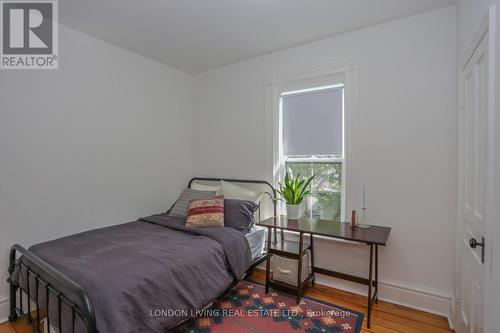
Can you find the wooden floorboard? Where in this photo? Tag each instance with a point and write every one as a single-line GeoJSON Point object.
{"type": "Point", "coordinates": [7, 328]}
{"type": "Point", "coordinates": [386, 317]}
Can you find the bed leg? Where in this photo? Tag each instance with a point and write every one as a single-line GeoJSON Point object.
{"type": "Point", "coordinates": [13, 313]}
{"type": "Point", "coordinates": [12, 286]}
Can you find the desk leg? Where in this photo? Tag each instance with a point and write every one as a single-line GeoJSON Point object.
{"type": "Point", "coordinates": [312, 259]}
{"type": "Point", "coordinates": [299, 270]}
{"type": "Point", "coordinates": [376, 273]}
{"type": "Point", "coordinates": [370, 282]}
{"type": "Point", "coordinates": [268, 259]}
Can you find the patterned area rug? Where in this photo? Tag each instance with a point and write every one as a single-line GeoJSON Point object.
{"type": "Point", "coordinates": [246, 308]}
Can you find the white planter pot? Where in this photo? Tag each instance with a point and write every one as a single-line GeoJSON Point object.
{"type": "Point", "coordinates": [293, 211]}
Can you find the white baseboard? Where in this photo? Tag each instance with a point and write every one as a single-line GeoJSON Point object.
{"type": "Point", "coordinates": [4, 309]}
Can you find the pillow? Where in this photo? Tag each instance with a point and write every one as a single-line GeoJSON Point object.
{"type": "Point", "coordinates": [201, 187]}
{"type": "Point", "coordinates": [231, 191]}
{"type": "Point", "coordinates": [239, 214]}
{"type": "Point", "coordinates": [206, 212]}
{"type": "Point", "coordinates": [179, 209]}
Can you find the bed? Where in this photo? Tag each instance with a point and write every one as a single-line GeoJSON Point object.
{"type": "Point", "coordinates": [143, 276]}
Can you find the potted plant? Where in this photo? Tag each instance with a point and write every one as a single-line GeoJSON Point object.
{"type": "Point", "coordinates": [293, 191]}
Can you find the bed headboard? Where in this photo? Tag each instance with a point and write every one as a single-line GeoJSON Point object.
{"type": "Point", "coordinates": [267, 204]}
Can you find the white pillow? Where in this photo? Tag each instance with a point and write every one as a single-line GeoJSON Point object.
{"type": "Point", "coordinates": [231, 191]}
{"type": "Point", "coordinates": [201, 187]}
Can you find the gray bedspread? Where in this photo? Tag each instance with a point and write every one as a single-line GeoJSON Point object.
{"type": "Point", "coordinates": [135, 273]}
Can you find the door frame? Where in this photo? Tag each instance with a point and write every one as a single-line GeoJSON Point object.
{"type": "Point", "coordinates": [487, 27]}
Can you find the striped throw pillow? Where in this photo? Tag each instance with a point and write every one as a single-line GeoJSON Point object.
{"type": "Point", "coordinates": [206, 212]}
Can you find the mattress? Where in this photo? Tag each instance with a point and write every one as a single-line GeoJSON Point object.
{"type": "Point", "coordinates": [256, 238]}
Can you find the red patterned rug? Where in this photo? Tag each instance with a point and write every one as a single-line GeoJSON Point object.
{"type": "Point", "coordinates": [246, 308]}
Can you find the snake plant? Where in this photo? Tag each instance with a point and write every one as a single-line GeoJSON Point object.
{"type": "Point", "coordinates": [294, 190]}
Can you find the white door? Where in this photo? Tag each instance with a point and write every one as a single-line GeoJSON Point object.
{"type": "Point", "coordinates": [473, 161]}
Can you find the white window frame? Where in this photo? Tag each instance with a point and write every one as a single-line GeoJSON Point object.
{"type": "Point", "coordinates": [343, 72]}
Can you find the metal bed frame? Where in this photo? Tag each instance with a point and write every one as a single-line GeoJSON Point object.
{"type": "Point", "coordinates": [54, 282]}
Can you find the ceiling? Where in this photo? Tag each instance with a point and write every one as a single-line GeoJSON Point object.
{"type": "Point", "coordinates": [197, 35]}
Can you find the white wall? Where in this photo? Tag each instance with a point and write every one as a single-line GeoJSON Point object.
{"type": "Point", "coordinates": [103, 140]}
{"type": "Point", "coordinates": [408, 120]}
{"type": "Point", "coordinates": [470, 15]}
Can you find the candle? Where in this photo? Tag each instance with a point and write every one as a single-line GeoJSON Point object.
{"type": "Point", "coordinates": [364, 198]}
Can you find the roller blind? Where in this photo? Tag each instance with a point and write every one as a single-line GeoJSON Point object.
{"type": "Point", "coordinates": [312, 122]}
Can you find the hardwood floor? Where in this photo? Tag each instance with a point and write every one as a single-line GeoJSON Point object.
{"type": "Point", "coordinates": [386, 317]}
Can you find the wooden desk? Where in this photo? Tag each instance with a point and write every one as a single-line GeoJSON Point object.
{"type": "Point", "coordinates": [373, 237]}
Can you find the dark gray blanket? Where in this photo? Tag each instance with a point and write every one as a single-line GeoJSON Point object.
{"type": "Point", "coordinates": [239, 257]}
{"type": "Point", "coordinates": [148, 275]}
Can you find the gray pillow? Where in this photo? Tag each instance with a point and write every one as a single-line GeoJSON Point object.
{"type": "Point", "coordinates": [179, 209]}
{"type": "Point", "coordinates": [239, 214]}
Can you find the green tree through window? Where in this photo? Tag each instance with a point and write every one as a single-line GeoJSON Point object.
{"type": "Point", "coordinates": [325, 200]}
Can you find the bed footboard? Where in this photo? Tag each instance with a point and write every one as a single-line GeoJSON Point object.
{"type": "Point", "coordinates": [57, 291]}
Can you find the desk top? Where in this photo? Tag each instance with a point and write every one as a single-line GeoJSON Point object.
{"type": "Point", "coordinates": [329, 228]}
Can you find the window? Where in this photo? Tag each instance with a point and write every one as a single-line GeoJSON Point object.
{"type": "Point", "coordinates": [312, 143]}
